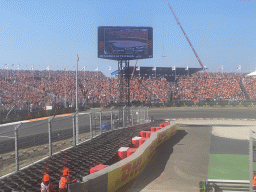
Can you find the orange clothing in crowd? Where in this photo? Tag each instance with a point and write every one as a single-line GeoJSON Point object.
{"type": "Point", "coordinates": [64, 181]}
{"type": "Point", "coordinates": [254, 179]}
{"type": "Point", "coordinates": [96, 87]}
{"type": "Point", "coordinates": [46, 185]}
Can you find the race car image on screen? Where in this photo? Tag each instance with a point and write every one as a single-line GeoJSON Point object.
{"type": "Point", "coordinates": [126, 41]}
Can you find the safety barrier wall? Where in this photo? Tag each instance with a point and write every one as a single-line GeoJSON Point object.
{"type": "Point", "coordinates": [115, 176]}
{"type": "Point", "coordinates": [24, 114]}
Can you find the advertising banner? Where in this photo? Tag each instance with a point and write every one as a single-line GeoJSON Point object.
{"type": "Point", "coordinates": [122, 175]}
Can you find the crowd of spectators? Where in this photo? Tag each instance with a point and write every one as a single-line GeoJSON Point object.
{"type": "Point", "coordinates": [215, 86]}
{"type": "Point", "coordinates": [33, 88]}
{"type": "Point", "coordinates": [106, 90]}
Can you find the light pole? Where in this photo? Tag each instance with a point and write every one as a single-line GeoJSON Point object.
{"type": "Point", "coordinates": [251, 158]}
{"type": "Point", "coordinates": [76, 81]}
{"type": "Point", "coordinates": [77, 128]}
{"type": "Point", "coordinates": [65, 89]}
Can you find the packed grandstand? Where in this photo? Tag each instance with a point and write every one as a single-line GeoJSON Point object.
{"type": "Point", "coordinates": [22, 88]}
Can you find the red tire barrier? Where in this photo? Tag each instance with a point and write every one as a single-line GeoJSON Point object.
{"type": "Point", "coordinates": [97, 168]}
{"type": "Point", "coordinates": [153, 129]}
{"type": "Point", "coordinates": [144, 133]}
{"type": "Point", "coordinates": [130, 151]}
{"type": "Point", "coordinates": [122, 153]}
{"type": "Point", "coordinates": [158, 128]}
{"type": "Point", "coordinates": [142, 140]}
{"type": "Point", "coordinates": [135, 141]}
{"type": "Point", "coordinates": [161, 125]}
{"type": "Point", "coordinates": [148, 133]}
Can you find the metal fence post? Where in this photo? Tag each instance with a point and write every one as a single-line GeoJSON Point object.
{"type": "Point", "coordinates": [100, 121]}
{"type": "Point", "coordinates": [123, 117]}
{"type": "Point", "coordinates": [74, 128]}
{"type": "Point", "coordinates": [112, 119]}
{"type": "Point", "coordinates": [16, 135]}
{"type": "Point", "coordinates": [147, 115]}
{"type": "Point", "coordinates": [77, 128]}
{"type": "Point", "coordinates": [50, 135]}
{"type": "Point", "coordinates": [250, 158]}
{"type": "Point", "coordinates": [132, 114]}
{"type": "Point", "coordinates": [91, 134]}
{"type": "Point", "coordinates": [213, 188]}
{"type": "Point", "coordinates": [144, 114]}
{"type": "Point", "coordinates": [139, 113]}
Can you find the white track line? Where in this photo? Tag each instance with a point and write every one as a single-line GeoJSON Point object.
{"type": "Point", "coordinates": [13, 123]}
{"type": "Point", "coordinates": [8, 137]}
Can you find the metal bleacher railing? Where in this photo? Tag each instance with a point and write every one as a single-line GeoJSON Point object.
{"type": "Point", "coordinates": [25, 143]}
{"type": "Point", "coordinates": [216, 185]}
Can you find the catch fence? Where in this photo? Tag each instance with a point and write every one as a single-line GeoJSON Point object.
{"type": "Point", "coordinates": [24, 143]}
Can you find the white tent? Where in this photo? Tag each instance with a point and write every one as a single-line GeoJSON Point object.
{"type": "Point", "coordinates": [251, 74]}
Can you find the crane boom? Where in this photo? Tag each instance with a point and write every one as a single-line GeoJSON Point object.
{"type": "Point", "coordinates": [134, 68]}
{"type": "Point", "coordinates": [187, 38]}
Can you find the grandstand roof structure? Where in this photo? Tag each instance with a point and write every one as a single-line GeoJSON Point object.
{"type": "Point", "coordinates": [167, 72]}
{"type": "Point", "coordinates": [251, 74]}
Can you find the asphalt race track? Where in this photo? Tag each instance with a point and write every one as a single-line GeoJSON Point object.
{"type": "Point", "coordinates": [41, 126]}
{"type": "Point", "coordinates": [200, 112]}
{"type": "Point", "coordinates": [37, 127]}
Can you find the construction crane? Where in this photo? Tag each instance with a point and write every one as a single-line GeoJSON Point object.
{"type": "Point", "coordinates": [187, 39]}
{"type": "Point", "coordinates": [134, 69]}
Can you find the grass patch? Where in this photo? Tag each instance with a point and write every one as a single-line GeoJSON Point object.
{"type": "Point", "coordinates": [228, 167]}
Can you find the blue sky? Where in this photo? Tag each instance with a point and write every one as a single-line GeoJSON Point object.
{"type": "Point", "coordinates": [41, 33]}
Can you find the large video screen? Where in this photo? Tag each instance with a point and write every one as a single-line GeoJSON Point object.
{"type": "Point", "coordinates": [125, 43]}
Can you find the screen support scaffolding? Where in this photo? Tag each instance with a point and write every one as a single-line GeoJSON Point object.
{"type": "Point", "coordinates": [124, 76]}
{"type": "Point", "coordinates": [124, 84]}
{"type": "Point", "coordinates": [127, 75]}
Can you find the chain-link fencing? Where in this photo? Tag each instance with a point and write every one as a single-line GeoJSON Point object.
{"type": "Point", "coordinates": [61, 133]}
{"type": "Point", "coordinates": [116, 118]}
{"type": "Point", "coordinates": [143, 114]}
{"type": "Point", "coordinates": [126, 117]}
{"type": "Point", "coordinates": [134, 115]}
{"type": "Point", "coordinates": [32, 141]}
{"type": "Point", "coordinates": [84, 127]}
{"type": "Point", "coordinates": [22, 144]}
{"type": "Point", "coordinates": [96, 118]}
{"type": "Point", "coordinates": [106, 120]}
{"type": "Point", "coordinates": [7, 150]}
{"type": "Point", "coordinates": [140, 115]}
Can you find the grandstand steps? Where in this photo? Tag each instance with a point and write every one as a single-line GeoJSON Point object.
{"type": "Point", "coordinates": [247, 97]}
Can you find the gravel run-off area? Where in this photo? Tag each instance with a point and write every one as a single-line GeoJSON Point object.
{"type": "Point", "coordinates": [232, 129]}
